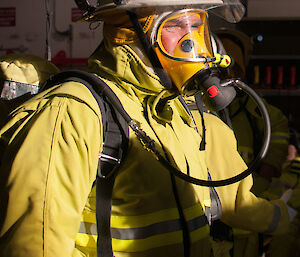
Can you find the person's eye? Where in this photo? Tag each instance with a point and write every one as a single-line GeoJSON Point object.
{"type": "Point", "coordinates": [172, 28]}
{"type": "Point", "coordinates": [196, 25]}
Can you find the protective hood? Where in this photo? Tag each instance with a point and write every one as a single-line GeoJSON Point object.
{"type": "Point", "coordinates": [122, 65]}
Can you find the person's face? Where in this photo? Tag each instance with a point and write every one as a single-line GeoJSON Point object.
{"type": "Point", "coordinates": [174, 30]}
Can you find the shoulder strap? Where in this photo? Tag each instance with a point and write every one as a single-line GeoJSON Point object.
{"type": "Point", "coordinates": [115, 143]}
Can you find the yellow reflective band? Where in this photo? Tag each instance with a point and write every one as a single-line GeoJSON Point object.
{"type": "Point", "coordinates": [88, 216]}
{"type": "Point", "coordinates": [86, 240]}
{"type": "Point", "coordinates": [295, 166]}
{"type": "Point", "coordinates": [148, 234]}
{"type": "Point", "coordinates": [281, 134]}
{"type": "Point", "coordinates": [277, 141]}
{"type": "Point", "coordinates": [155, 217]}
{"type": "Point", "coordinates": [193, 212]}
{"type": "Point", "coordinates": [199, 233]}
{"type": "Point", "coordinates": [143, 220]}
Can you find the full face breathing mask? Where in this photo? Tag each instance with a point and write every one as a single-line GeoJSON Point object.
{"type": "Point", "coordinates": [182, 44]}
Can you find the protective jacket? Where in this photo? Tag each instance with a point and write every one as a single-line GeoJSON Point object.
{"type": "Point", "coordinates": [289, 243]}
{"type": "Point", "coordinates": [248, 126]}
{"type": "Point", "coordinates": [52, 144]}
{"type": "Point", "coordinates": [246, 241]}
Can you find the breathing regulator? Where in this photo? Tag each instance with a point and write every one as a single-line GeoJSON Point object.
{"type": "Point", "coordinates": [178, 45]}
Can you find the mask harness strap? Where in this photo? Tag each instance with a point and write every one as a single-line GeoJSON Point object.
{"type": "Point", "coordinates": [158, 69]}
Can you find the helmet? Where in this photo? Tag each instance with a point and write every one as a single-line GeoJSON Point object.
{"type": "Point", "coordinates": [239, 46]}
{"type": "Point", "coordinates": [26, 68]}
{"type": "Point", "coordinates": [230, 10]}
{"type": "Point", "coordinates": [21, 73]}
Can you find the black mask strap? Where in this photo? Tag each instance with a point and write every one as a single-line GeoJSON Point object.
{"type": "Point", "coordinates": [158, 69]}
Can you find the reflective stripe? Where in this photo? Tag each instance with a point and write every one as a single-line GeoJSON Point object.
{"type": "Point", "coordinates": [145, 220]}
{"type": "Point", "coordinates": [158, 240]}
{"type": "Point", "coordinates": [280, 138]}
{"type": "Point", "coordinates": [279, 141]}
{"type": "Point", "coordinates": [85, 240]}
{"type": "Point", "coordinates": [140, 233]}
{"type": "Point", "coordinates": [295, 167]}
{"type": "Point", "coordinates": [88, 216]}
{"type": "Point", "coordinates": [275, 220]}
{"type": "Point", "coordinates": [88, 228]}
{"type": "Point", "coordinates": [281, 134]}
{"type": "Point", "coordinates": [147, 243]}
{"type": "Point", "coordinates": [196, 223]}
{"type": "Point", "coordinates": [156, 229]}
{"type": "Point", "coordinates": [144, 232]}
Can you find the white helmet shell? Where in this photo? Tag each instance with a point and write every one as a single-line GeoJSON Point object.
{"type": "Point", "coordinates": [230, 10]}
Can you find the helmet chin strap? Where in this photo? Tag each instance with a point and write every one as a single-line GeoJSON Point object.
{"type": "Point", "coordinates": [158, 69]}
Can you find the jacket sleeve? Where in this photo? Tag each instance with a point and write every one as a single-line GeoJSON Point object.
{"type": "Point", "coordinates": [52, 145]}
{"type": "Point", "coordinates": [279, 137]}
{"type": "Point", "coordinates": [253, 213]}
{"type": "Point", "coordinates": [240, 208]}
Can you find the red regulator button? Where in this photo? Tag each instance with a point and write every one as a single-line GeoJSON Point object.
{"type": "Point", "coordinates": [213, 91]}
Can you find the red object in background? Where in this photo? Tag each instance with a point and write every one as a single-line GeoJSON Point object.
{"type": "Point", "coordinates": [7, 16]}
{"type": "Point", "coordinates": [292, 78]}
{"type": "Point", "coordinates": [279, 84]}
{"type": "Point", "coordinates": [76, 14]}
{"type": "Point", "coordinates": [268, 80]}
{"type": "Point", "coordinates": [61, 59]}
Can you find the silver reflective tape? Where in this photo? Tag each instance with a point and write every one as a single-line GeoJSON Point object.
{"type": "Point", "coordinates": [144, 232]}
{"type": "Point", "coordinates": [156, 229]}
{"type": "Point", "coordinates": [88, 228]}
{"type": "Point", "coordinates": [196, 223]}
{"type": "Point", "coordinates": [13, 89]}
{"type": "Point", "coordinates": [279, 138]}
{"type": "Point", "coordinates": [275, 220]}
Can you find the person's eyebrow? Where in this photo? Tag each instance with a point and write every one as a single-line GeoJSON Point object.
{"type": "Point", "coordinates": [174, 22]}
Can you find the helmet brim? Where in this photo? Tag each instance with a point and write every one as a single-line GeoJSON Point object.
{"type": "Point", "coordinates": [230, 10]}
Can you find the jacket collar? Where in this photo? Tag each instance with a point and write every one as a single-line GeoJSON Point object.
{"type": "Point", "coordinates": [121, 64]}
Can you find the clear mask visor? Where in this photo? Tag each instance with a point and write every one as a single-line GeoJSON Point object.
{"type": "Point", "coordinates": [184, 36]}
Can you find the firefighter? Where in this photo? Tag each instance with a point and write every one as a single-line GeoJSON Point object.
{"type": "Point", "coordinates": [244, 117]}
{"type": "Point", "coordinates": [52, 143]}
{"type": "Point", "coordinates": [248, 127]}
{"type": "Point", "coordinates": [287, 244]}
